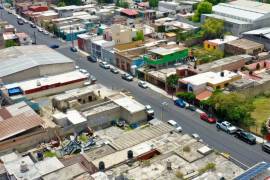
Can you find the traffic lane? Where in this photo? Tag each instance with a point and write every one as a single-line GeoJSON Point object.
{"type": "Point", "coordinates": [189, 121]}
{"type": "Point", "coordinates": [144, 96]}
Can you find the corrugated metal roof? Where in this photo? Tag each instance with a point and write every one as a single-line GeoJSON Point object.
{"type": "Point", "coordinates": [19, 58]}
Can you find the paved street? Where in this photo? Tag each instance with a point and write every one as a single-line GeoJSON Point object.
{"type": "Point", "coordinates": [190, 122]}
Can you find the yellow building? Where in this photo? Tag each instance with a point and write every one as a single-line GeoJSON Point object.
{"type": "Point", "coordinates": [214, 44]}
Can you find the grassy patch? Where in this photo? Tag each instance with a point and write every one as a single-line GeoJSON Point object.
{"type": "Point", "coordinates": [83, 138]}
{"type": "Point", "coordinates": [208, 167]}
{"type": "Point", "coordinates": [49, 154]}
{"type": "Point", "coordinates": [261, 113]}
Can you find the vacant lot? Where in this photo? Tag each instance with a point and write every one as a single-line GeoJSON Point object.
{"type": "Point", "coordinates": [261, 112]}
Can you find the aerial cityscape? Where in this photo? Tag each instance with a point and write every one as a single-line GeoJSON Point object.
{"type": "Point", "coordinates": [134, 90]}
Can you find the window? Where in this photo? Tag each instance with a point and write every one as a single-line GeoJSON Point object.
{"type": "Point", "coordinates": [79, 100]}
{"type": "Point", "coordinates": [90, 98]}
{"type": "Point", "coordinates": [208, 45]}
{"type": "Point", "coordinates": [214, 47]}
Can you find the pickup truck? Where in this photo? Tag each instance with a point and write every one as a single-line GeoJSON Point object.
{"type": "Point", "coordinates": [226, 126]}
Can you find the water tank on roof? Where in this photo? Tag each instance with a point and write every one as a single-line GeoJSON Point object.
{"type": "Point", "coordinates": [23, 167]}
{"type": "Point", "coordinates": [130, 154]}
{"type": "Point", "coordinates": [101, 166]}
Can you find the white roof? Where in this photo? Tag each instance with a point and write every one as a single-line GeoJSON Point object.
{"type": "Point", "coordinates": [225, 40]}
{"type": "Point", "coordinates": [129, 104]}
{"type": "Point", "coordinates": [48, 165]}
{"type": "Point", "coordinates": [254, 5]}
{"type": "Point", "coordinates": [75, 117]}
{"type": "Point", "coordinates": [50, 80]}
{"type": "Point", "coordinates": [164, 51]}
{"type": "Point", "coordinates": [209, 77]}
{"type": "Point", "coordinates": [263, 31]}
{"type": "Point", "coordinates": [20, 58]}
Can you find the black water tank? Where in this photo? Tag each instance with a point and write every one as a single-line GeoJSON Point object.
{"type": "Point", "coordinates": [130, 154]}
{"type": "Point", "coordinates": [101, 166]}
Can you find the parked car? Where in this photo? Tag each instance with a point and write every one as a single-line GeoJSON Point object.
{"type": "Point", "coordinates": [54, 46]}
{"type": "Point", "coordinates": [104, 65]}
{"type": "Point", "coordinates": [175, 125]}
{"type": "Point", "coordinates": [191, 107]}
{"type": "Point", "coordinates": [46, 32]}
{"type": "Point", "coordinates": [127, 77]}
{"type": "Point", "coordinates": [149, 110]}
{"type": "Point", "coordinates": [266, 147]}
{"type": "Point", "coordinates": [84, 71]}
{"type": "Point", "coordinates": [196, 136]}
{"type": "Point", "coordinates": [207, 118]}
{"type": "Point", "coordinates": [73, 49]}
{"type": "Point", "coordinates": [40, 29]}
{"type": "Point", "coordinates": [33, 25]}
{"type": "Point", "coordinates": [180, 103]}
{"type": "Point", "coordinates": [245, 136]}
{"type": "Point", "coordinates": [142, 84]}
{"type": "Point", "coordinates": [226, 126]}
{"type": "Point", "coordinates": [93, 79]}
{"type": "Point", "coordinates": [114, 70]}
{"type": "Point", "coordinates": [91, 58]}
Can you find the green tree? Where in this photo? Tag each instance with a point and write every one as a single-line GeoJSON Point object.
{"type": "Point", "coordinates": [187, 96]}
{"type": "Point", "coordinates": [233, 107]}
{"type": "Point", "coordinates": [121, 3]}
{"type": "Point", "coordinates": [153, 3]}
{"type": "Point", "coordinates": [139, 36]}
{"type": "Point", "coordinates": [215, 2]}
{"type": "Point", "coordinates": [264, 130]}
{"type": "Point", "coordinates": [203, 7]}
{"type": "Point", "coordinates": [61, 4]}
{"type": "Point", "coordinates": [213, 28]}
{"type": "Point", "coordinates": [10, 43]}
{"type": "Point", "coordinates": [172, 80]}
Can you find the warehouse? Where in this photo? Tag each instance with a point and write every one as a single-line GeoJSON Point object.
{"type": "Point", "coordinates": [21, 63]}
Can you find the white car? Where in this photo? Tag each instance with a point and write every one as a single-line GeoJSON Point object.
{"type": "Point", "coordinates": [40, 29]}
{"type": "Point", "coordinates": [226, 126]}
{"type": "Point", "coordinates": [142, 84]}
{"type": "Point", "coordinates": [83, 71]}
{"type": "Point", "coordinates": [149, 110]}
{"type": "Point", "coordinates": [46, 32]}
{"type": "Point", "coordinates": [174, 124]}
{"type": "Point", "coordinates": [104, 65]}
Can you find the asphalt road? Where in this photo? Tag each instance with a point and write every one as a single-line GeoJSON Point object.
{"type": "Point", "coordinates": [248, 155]}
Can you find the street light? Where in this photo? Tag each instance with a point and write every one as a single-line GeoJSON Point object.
{"type": "Point", "coordinates": [163, 105]}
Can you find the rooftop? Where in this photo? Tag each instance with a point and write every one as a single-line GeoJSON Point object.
{"type": "Point", "coordinates": [129, 12]}
{"type": "Point", "coordinates": [129, 104]}
{"type": "Point", "coordinates": [20, 58]}
{"type": "Point", "coordinates": [47, 81]}
{"type": "Point", "coordinates": [166, 50]}
{"type": "Point", "coordinates": [244, 43]}
{"type": "Point", "coordinates": [209, 77]}
{"type": "Point", "coordinates": [265, 32]}
{"type": "Point", "coordinates": [226, 39]}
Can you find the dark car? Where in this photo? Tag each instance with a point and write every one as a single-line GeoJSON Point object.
{"type": "Point", "coordinates": [127, 77]}
{"type": "Point", "coordinates": [54, 46]}
{"type": "Point", "coordinates": [180, 103]}
{"type": "Point", "coordinates": [266, 147]}
{"type": "Point", "coordinates": [191, 107]}
{"type": "Point", "coordinates": [245, 136]}
{"type": "Point", "coordinates": [73, 49]}
{"type": "Point", "coordinates": [91, 58]}
{"type": "Point", "coordinates": [33, 25]}
{"type": "Point", "coordinates": [20, 22]}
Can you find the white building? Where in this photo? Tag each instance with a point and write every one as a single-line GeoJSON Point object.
{"type": "Point", "coordinates": [241, 15]}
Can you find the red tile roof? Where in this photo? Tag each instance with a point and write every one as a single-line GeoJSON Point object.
{"type": "Point", "coordinates": [130, 12]}
{"type": "Point", "coordinates": [204, 95]}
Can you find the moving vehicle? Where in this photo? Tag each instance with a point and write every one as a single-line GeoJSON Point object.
{"type": "Point", "coordinates": [226, 126]}
{"type": "Point", "coordinates": [174, 124]}
{"type": "Point", "coordinates": [91, 58]}
{"type": "Point", "coordinates": [104, 65]}
{"type": "Point", "coordinates": [127, 77]}
{"type": "Point", "coordinates": [266, 147]}
{"type": "Point", "coordinates": [180, 103]}
{"type": "Point", "coordinates": [54, 46]}
{"type": "Point", "coordinates": [245, 136]}
{"type": "Point", "coordinates": [149, 110]}
{"type": "Point", "coordinates": [73, 49]}
{"type": "Point", "coordinates": [207, 118]}
{"type": "Point", "coordinates": [114, 70]}
{"type": "Point", "coordinates": [40, 29]}
{"type": "Point", "coordinates": [142, 84]}
{"type": "Point", "coordinates": [191, 107]}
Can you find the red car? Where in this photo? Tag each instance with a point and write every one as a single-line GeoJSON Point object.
{"type": "Point", "coordinates": [206, 118]}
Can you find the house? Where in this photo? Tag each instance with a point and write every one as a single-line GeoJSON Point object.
{"type": "Point", "coordinates": [21, 128]}
{"type": "Point", "coordinates": [121, 34]}
{"type": "Point", "coordinates": [261, 35]}
{"type": "Point", "coordinates": [218, 44]}
{"type": "Point", "coordinates": [243, 46]}
{"type": "Point", "coordinates": [21, 63]}
{"type": "Point", "coordinates": [213, 80]}
{"type": "Point", "coordinates": [241, 15]}
{"type": "Point", "coordinates": [165, 55]}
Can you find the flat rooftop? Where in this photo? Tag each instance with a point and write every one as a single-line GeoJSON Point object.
{"type": "Point", "coordinates": [165, 51]}
{"type": "Point", "coordinates": [209, 77]}
{"type": "Point", "coordinates": [226, 39]}
{"type": "Point", "coordinates": [47, 81]}
{"type": "Point", "coordinates": [244, 44]}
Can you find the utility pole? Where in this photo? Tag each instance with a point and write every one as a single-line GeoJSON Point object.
{"type": "Point", "coordinates": [35, 38]}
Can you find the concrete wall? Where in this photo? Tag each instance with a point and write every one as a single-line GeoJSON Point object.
{"type": "Point", "coordinates": [55, 90]}
{"type": "Point", "coordinates": [133, 118]}
{"type": "Point", "coordinates": [22, 75]}
{"type": "Point", "coordinates": [108, 56]}
{"type": "Point", "coordinates": [256, 90]}
{"type": "Point", "coordinates": [56, 68]}
{"type": "Point", "coordinates": [235, 50]}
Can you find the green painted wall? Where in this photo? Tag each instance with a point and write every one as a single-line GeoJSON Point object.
{"type": "Point", "coordinates": [168, 58]}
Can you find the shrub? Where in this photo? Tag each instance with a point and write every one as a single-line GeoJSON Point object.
{"type": "Point", "coordinates": [179, 174]}
{"type": "Point", "coordinates": [186, 149]}
{"type": "Point", "coordinates": [208, 167]}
